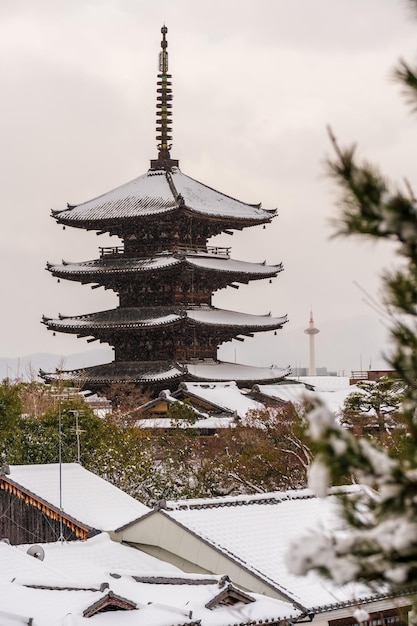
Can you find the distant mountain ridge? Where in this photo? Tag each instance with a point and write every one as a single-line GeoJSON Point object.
{"type": "Point", "coordinates": [27, 367]}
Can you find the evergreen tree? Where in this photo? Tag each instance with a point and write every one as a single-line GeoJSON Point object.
{"type": "Point", "coordinates": [10, 407]}
{"type": "Point", "coordinates": [379, 400]}
{"type": "Point", "coordinates": [378, 543]}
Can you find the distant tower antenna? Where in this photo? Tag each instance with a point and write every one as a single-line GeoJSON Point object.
{"type": "Point", "coordinates": [163, 110]}
{"type": "Point", "coordinates": [311, 331]}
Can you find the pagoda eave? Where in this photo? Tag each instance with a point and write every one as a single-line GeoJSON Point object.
{"type": "Point", "coordinates": [138, 320]}
{"type": "Point", "coordinates": [156, 374]}
{"type": "Point", "coordinates": [243, 375]}
{"type": "Point", "coordinates": [135, 372]}
{"type": "Point", "coordinates": [102, 270]}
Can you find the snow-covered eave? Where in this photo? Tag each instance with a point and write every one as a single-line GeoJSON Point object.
{"type": "Point", "coordinates": [275, 324]}
{"type": "Point", "coordinates": [87, 375]}
{"type": "Point", "coordinates": [198, 316]}
{"type": "Point", "coordinates": [112, 266]}
{"type": "Point", "coordinates": [243, 377]}
{"type": "Point", "coordinates": [46, 507]}
{"type": "Point", "coordinates": [98, 223]}
{"type": "Point", "coordinates": [365, 600]}
{"type": "Point", "coordinates": [232, 221]}
{"type": "Point", "coordinates": [92, 270]}
{"type": "Point", "coordinates": [91, 326]}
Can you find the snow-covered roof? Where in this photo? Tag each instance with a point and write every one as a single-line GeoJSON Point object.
{"type": "Point", "coordinates": [256, 531]}
{"type": "Point", "coordinates": [298, 393]}
{"type": "Point", "coordinates": [167, 371]}
{"type": "Point", "coordinates": [223, 371]}
{"type": "Point", "coordinates": [115, 266]}
{"type": "Point", "coordinates": [159, 192]}
{"type": "Point", "coordinates": [130, 318]}
{"type": "Point", "coordinates": [77, 576]}
{"type": "Point", "coordinates": [213, 422]}
{"type": "Point", "coordinates": [221, 317]}
{"type": "Point", "coordinates": [226, 395]}
{"type": "Point", "coordinates": [86, 497]}
{"type": "Point", "coordinates": [122, 371]}
{"type": "Point", "coordinates": [324, 383]}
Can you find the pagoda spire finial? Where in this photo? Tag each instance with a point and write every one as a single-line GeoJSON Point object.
{"type": "Point", "coordinates": [163, 110]}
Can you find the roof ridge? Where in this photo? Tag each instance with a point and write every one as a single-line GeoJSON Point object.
{"type": "Point", "coordinates": [240, 500]}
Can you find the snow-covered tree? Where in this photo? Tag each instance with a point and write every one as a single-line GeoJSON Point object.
{"type": "Point", "coordinates": [377, 542]}
{"type": "Point", "coordinates": [379, 400]}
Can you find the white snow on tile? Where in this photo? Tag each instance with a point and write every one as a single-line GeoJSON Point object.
{"type": "Point", "coordinates": [325, 383]}
{"type": "Point", "coordinates": [256, 532]}
{"type": "Point", "coordinates": [86, 571]}
{"type": "Point", "coordinates": [226, 395]}
{"type": "Point", "coordinates": [152, 194]}
{"type": "Point", "coordinates": [222, 317]}
{"type": "Point", "coordinates": [115, 266]}
{"type": "Point", "coordinates": [210, 423]}
{"type": "Point", "coordinates": [231, 265]}
{"type": "Point", "coordinates": [298, 393]}
{"type": "Point", "coordinates": [86, 497]}
{"type": "Point", "coordinates": [223, 371]}
{"type": "Point", "coordinates": [203, 199]}
{"type": "Point", "coordinates": [144, 317]}
{"type": "Point", "coordinates": [123, 265]}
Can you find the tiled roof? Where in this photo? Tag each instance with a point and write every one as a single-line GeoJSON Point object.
{"type": "Point", "coordinates": [222, 371]}
{"type": "Point", "coordinates": [226, 396]}
{"type": "Point", "coordinates": [123, 371]}
{"type": "Point", "coordinates": [256, 532]}
{"type": "Point", "coordinates": [299, 393]}
{"type": "Point", "coordinates": [85, 496]}
{"type": "Point", "coordinates": [130, 318]}
{"type": "Point", "coordinates": [164, 261]}
{"type": "Point", "coordinates": [162, 371]}
{"type": "Point", "coordinates": [114, 265]}
{"type": "Point", "coordinates": [159, 192]}
{"type": "Point", "coordinates": [76, 577]}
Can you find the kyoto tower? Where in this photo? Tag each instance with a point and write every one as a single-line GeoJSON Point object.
{"type": "Point", "coordinates": [311, 330]}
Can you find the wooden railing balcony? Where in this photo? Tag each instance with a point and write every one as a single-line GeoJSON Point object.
{"type": "Point", "coordinates": [111, 251]}
{"type": "Point", "coordinates": [212, 250]}
{"type": "Point", "coordinates": [116, 251]}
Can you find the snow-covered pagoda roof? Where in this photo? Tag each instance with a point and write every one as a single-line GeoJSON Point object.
{"type": "Point", "coordinates": [222, 371]}
{"type": "Point", "coordinates": [127, 266]}
{"type": "Point", "coordinates": [160, 192]}
{"type": "Point", "coordinates": [131, 318]}
{"type": "Point", "coordinates": [161, 372]}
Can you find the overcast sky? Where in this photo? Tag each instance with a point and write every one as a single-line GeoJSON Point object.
{"type": "Point", "coordinates": [255, 84]}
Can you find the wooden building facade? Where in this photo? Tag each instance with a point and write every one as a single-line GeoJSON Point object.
{"type": "Point", "coordinates": [26, 518]}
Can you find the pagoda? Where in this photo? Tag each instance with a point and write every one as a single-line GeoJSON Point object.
{"type": "Point", "coordinates": [165, 329]}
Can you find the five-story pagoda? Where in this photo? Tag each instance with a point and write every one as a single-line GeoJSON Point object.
{"type": "Point", "coordinates": [165, 329]}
